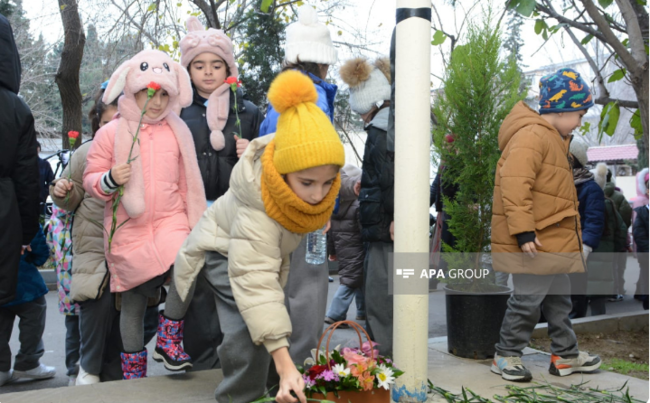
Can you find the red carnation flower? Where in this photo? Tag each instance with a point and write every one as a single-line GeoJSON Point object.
{"type": "Point", "coordinates": [231, 80]}
{"type": "Point", "coordinates": [72, 137]}
{"type": "Point", "coordinates": [152, 87]}
{"type": "Point", "coordinates": [316, 370]}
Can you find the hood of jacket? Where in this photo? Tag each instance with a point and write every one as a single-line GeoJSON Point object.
{"type": "Point", "coordinates": [521, 116]}
{"type": "Point", "coordinates": [9, 59]}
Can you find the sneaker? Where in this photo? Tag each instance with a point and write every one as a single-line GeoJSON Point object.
{"type": "Point", "coordinates": [616, 298]}
{"type": "Point", "coordinates": [6, 377]}
{"type": "Point", "coordinates": [510, 369]}
{"type": "Point", "coordinates": [584, 362]}
{"type": "Point", "coordinates": [360, 317]}
{"type": "Point", "coordinates": [84, 378]}
{"type": "Point", "coordinates": [330, 279]}
{"type": "Point", "coordinates": [40, 372]}
{"type": "Point", "coordinates": [331, 321]}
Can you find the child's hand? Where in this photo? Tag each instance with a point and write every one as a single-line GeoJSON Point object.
{"type": "Point", "coordinates": [392, 230]}
{"type": "Point", "coordinates": [241, 145]}
{"type": "Point", "coordinates": [529, 248]}
{"type": "Point", "coordinates": [327, 227]}
{"type": "Point", "coordinates": [62, 188]}
{"type": "Point", "coordinates": [290, 378]}
{"type": "Point", "coordinates": [357, 188]}
{"type": "Point", "coordinates": [24, 248]}
{"type": "Point", "coordinates": [332, 258]}
{"type": "Point", "coordinates": [121, 173]}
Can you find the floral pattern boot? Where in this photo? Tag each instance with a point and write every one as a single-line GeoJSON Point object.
{"type": "Point", "coordinates": [168, 345]}
{"type": "Point", "coordinates": [134, 365]}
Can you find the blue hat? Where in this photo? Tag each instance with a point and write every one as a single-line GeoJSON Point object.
{"type": "Point", "coordinates": [564, 91]}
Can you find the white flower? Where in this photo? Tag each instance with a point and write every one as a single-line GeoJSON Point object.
{"type": "Point", "coordinates": [385, 377]}
{"type": "Point", "coordinates": [341, 371]}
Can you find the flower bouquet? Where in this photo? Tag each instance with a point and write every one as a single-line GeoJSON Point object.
{"type": "Point", "coordinates": [351, 374]}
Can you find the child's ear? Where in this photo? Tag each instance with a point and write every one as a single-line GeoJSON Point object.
{"type": "Point", "coordinates": [116, 83]}
{"type": "Point", "coordinates": [185, 94]}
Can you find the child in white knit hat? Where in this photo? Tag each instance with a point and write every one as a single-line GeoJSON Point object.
{"type": "Point", "coordinates": [309, 49]}
{"type": "Point", "coordinates": [369, 86]}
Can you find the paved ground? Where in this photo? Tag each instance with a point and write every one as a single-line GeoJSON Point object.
{"type": "Point", "coordinates": [54, 337]}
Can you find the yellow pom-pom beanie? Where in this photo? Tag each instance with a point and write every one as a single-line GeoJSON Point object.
{"type": "Point", "coordinates": [304, 137]}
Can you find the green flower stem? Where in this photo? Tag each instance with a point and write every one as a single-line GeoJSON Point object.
{"type": "Point", "coordinates": [233, 88]}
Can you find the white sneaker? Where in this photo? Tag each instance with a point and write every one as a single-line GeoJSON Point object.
{"type": "Point", "coordinates": [6, 377]}
{"type": "Point", "coordinates": [84, 378]}
{"type": "Point", "coordinates": [72, 380]}
{"type": "Point", "coordinates": [40, 372]}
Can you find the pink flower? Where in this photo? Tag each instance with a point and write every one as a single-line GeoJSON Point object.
{"type": "Point", "coordinates": [367, 347]}
{"type": "Point", "coordinates": [328, 376]}
{"type": "Point", "coordinates": [308, 382]}
{"type": "Point", "coordinates": [353, 358]}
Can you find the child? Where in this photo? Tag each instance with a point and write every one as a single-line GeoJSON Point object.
{"type": "Point", "coordinates": [346, 247]}
{"type": "Point", "coordinates": [219, 141]}
{"type": "Point", "coordinates": [370, 98]}
{"type": "Point", "coordinates": [308, 48]}
{"type": "Point", "coordinates": [283, 187]}
{"type": "Point", "coordinates": [29, 305]}
{"type": "Point", "coordinates": [535, 211]}
{"type": "Point", "coordinates": [163, 198]}
{"type": "Point", "coordinates": [640, 231]}
{"type": "Point", "coordinates": [59, 241]}
{"type": "Point", "coordinates": [89, 279]}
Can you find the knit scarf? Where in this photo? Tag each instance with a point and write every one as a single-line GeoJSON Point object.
{"type": "Point", "coordinates": [285, 207]}
{"type": "Point", "coordinates": [582, 175]}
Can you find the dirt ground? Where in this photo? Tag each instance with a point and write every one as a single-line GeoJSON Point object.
{"type": "Point", "coordinates": [628, 346]}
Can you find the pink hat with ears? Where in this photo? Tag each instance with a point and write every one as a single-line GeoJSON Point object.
{"type": "Point", "coordinates": [199, 40]}
{"type": "Point", "coordinates": [136, 73]}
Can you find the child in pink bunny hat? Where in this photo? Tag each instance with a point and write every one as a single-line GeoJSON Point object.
{"type": "Point", "coordinates": [219, 142]}
{"type": "Point", "coordinates": [163, 198]}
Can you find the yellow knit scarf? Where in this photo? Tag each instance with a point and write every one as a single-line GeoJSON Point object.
{"type": "Point", "coordinates": [285, 207]}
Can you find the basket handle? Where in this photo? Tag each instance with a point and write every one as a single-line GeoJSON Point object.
{"type": "Point", "coordinates": [331, 328]}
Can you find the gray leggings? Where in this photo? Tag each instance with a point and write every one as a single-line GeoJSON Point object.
{"type": "Point", "coordinates": [134, 305]}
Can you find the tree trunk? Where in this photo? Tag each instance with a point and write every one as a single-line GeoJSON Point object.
{"type": "Point", "coordinates": [67, 77]}
{"type": "Point", "coordinates": [640, 86]}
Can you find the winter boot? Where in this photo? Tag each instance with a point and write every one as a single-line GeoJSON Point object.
{"type": "Point", "coordinates": [168, 345]}
{"type": "Point", "coordinates": [134, 365]}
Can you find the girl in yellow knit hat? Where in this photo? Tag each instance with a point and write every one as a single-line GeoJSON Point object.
{"type": "Point", "coordinates": [283, 187]}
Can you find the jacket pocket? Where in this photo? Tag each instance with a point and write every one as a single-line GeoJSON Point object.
{"type": "Point", "coordinates": [370, 207]}
{"type": "Point", "coordinates": [554, 219]}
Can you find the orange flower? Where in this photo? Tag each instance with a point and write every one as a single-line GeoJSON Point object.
{"type": "Point", "coordinates": [367, 381]}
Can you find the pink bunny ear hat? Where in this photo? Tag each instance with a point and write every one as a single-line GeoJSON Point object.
{"type": "Point", "coordinates": [199, 40]}
{"type": "Point", "coordinates": [134, 75]}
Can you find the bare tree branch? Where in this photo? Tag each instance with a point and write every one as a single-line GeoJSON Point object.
{"type": "Point", "coordinates": [622, 102]}
{"type": "Point", "coordinates": [633, 31]}
{"type": "Point", "coordinates": [611, 38]}
{"type": "Point", "coordinates": [550, 11]}
{"type": "Point", "coordinates": [602, 90]}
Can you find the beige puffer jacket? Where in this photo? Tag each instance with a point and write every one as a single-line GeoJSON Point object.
{"type": "Point", "coordinates": [89, 273]}
{"type": "Point", "coordinates": [257, 247]}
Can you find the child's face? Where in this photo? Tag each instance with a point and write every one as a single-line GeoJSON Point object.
{"type": "Point", "coordinates": [108, 114]}
{"type": "Point", "coordinates": [207, 71]}
{"type": "Point", "coordinates": [313, 184]}
{"type": "Point", "coordinates": [157, 104]}
{"type": "Point", "coordinates": [567, 122]}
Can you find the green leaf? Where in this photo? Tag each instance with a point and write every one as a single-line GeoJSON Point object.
{"type": "Point", "coordinates": [438, 38]}
{"type": "Point", "coordinates": [584, 129]}
{"type": "Point", "coordinates": [609, 119]}
{"type": "Point", "coordinates": [635, 123]}
{"type": "Point", "coordinates": [513, 4]}
{"type": "Point", "coordinates": [265, 5]}
{"type": "Point", "coordinates": [605, 3]}
{"type": "Point", "coordinates": [586, 39]}
{"type": "Point", "coordinates": [152, 7]}
{"type": "Point", "coordinates": [626, 42]}
{"type": "Point", "coordinates": [526, 7]}
{"type": "Point", "coordinates": [617, 75]}
{"type": "Point", "coordinates": [540, 25]}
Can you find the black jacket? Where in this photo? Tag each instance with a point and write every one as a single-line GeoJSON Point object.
{"type": "Point", "coordinates": [45, 178]}
{"type": "Point", "coordinates": [216, 166]}
{"type": "Point", "coordinates": [19, 190]}
{"type": "Point", "coordinates": [376, 204]}
{"type": "Point", "coordinates": [640, 229]}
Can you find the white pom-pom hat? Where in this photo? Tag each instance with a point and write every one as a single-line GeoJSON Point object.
{"type": "Point", "coordinates": [308, 40]}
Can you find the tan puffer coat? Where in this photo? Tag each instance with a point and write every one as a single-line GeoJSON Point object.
{"type": "Point", "coordinates": [534, 191]}
{"type": "Point", "coordinates": [89, 273]}
{"type": "Point", "coordinates": [257, 247]}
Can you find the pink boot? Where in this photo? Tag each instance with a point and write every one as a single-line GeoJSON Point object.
{"type": "Point", "coordinates": [168, 345]}
{"type": "Point", "coordinates": [134, 365]}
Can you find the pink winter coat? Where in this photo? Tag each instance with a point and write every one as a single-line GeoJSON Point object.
{"type": "Point", "coordinates": [164, 198]}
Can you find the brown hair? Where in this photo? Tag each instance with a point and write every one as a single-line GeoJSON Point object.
{"type": "Point", "coordinates": [228, 73]}
{"type": "Point", "coordinates": [98, 109]}
{"type": "Point", "coordinates": [307, 67]}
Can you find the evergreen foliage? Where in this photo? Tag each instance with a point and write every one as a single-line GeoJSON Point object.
{"type": "Point", "coordinates": [480, 89]}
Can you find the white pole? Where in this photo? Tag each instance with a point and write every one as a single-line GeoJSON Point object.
{"type": "Point", "coordinates": [412, 161]}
